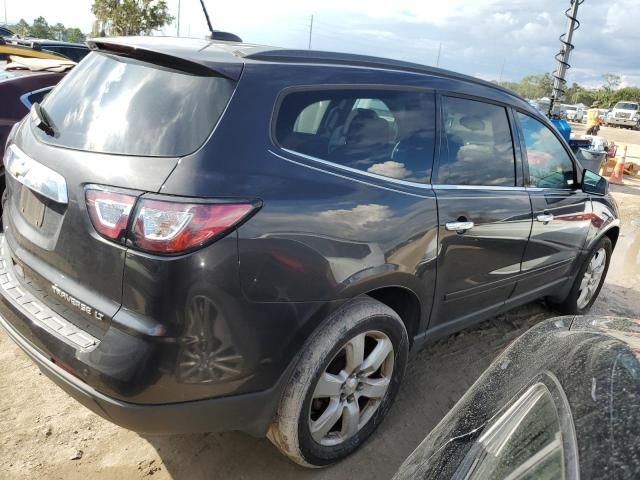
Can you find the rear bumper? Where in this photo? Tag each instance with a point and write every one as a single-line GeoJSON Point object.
{"type": "Point", "coordinates": [251, 413]}
{"type": "Point", "coordinates": [116, 374]}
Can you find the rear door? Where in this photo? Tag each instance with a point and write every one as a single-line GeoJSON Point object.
{"type": "Point", "coordinates": [561, 210]}
{"type": "Point", "coordinates": [484, 211]}
{"type": "Point", "coordinates": [120, 124]}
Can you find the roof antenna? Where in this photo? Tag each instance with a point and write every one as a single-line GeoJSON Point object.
{"type": "Point", "coordinates": [206, 15]}
{"type": "Point", "coordinates": [217, 34]}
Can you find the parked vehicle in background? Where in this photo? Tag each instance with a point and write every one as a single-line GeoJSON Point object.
{"type": "Point", "coordinates": [8, 49]}
{"type": "Point", "coordinates": [23, 82]}
{"type": "Point", "coordinates": [72, 51]}
{"type": "Point", "coordinates": [624, 114]}
{"type": "Point", "coordinates": [204, 236]}
{"type": "Point", "coordinates": [574, 113]}
{"type": "Point", "coordinates": [563, 401]}
{"type": "Point", "coordinates": [603, 112]}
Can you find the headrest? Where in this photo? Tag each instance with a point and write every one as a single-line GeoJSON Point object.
{"type": "Point", "coordinates": [366, 128]}
{"type": "Point", "coordinates": [473, 123]}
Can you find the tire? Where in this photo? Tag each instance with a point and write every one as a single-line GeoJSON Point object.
{"type": "Point", "coordinates": [324, 355]}
{"type": "Point", "coordinates": [575, 304]}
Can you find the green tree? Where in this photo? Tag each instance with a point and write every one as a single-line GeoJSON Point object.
{"type": "Point", "coordinates": [611, 81]}
{"type": "Point", "coordinates": [58, 31]}
{"type": "Point", "coordinates": [22, 28]}
{"type": "Point", "coordinates": [74, 35]}
{"type": "Point", "coordinates": [131, 17]}
{"type": "Point", "coordinates": [40, 29]}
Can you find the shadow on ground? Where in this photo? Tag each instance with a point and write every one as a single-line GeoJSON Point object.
{"type": "Point", "coordinates": [435, 380]}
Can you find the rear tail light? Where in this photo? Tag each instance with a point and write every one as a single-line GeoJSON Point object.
{"type": "Point", "coordinates": [169, 227]}
{"type": "Point", "coordinates": [162, 226]}
{"type": "Point", "coordinates": [109, 212]}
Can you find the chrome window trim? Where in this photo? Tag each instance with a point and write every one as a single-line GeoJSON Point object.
{"type": "Point", "coordinates": [478, 187]}
{"type": "Point", "coordinates": [399, 181]}
{"type": "Point", "coordinates": [356, 171]}
{"type": "Point", "coordinates": [359, 180]}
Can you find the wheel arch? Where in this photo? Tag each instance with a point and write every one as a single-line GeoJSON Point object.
{"type": "Point", "coordinates": [613, 233]}
{"type": "Point", "coordinates": [405, 303]}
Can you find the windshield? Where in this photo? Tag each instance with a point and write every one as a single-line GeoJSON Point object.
{"type": "Point", "coordinates": [571, 109]}
{"type": "Point", "coordinates": [111, 104]}
{"type": "Point", "coordinates": [626, 106]}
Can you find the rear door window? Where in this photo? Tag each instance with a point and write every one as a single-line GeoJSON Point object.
{"type": "Point", "coordinates": [112, 104]}
{"type": "Point", "coordinates": [549, 163]}
{"type": "Point", "coordinates": [476, 145]}
{"type": "Point", "coordinates": [385, 132]}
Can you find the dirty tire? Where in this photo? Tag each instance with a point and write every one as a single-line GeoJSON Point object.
{"type": "Point", "coordinates": [569, 305]}
{"type": "Point", "coordinates": [290, 430]}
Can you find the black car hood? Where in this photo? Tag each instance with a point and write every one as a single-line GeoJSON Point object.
{"type": "Point", "coordinates": [593, 359]}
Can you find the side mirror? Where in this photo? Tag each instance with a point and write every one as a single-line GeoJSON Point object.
{"type": "Point", "coordinates": [594, 183]}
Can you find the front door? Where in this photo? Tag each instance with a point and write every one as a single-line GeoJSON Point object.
{"type": "Point", "coordinates": [561, 211]}
{"type": "Point", "coordinates": [484, 214]}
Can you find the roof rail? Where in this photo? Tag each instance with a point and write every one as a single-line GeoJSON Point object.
{"type": "Point", "coordinates": [349, 59]}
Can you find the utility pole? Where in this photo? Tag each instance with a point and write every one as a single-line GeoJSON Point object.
{"type": "Point", "coordinates": [504, 60]}
{"type": "Point", "coordinates": [438, 58]}
{"type": "Point", "coordinates": [565, 52]}
{"type": "Point", "coordinates": [5, 13]}
{"type": "Point", "coordinates": [310, 31]}
{"type": "Point", "coordinates": [178, 32]}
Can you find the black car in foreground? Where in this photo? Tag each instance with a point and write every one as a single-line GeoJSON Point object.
{"type": "Point", "coordinates": [562, 402]}
{"type": "Point", "coordinates": [206, 236]}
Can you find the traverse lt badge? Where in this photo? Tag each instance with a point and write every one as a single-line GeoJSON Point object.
{"type": "Point", "coordinates": [83, 307]}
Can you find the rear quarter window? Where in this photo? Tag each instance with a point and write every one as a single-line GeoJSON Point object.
{"type": "Point", "coordinates": [385, 132]}
{"type": "Point", "coordinates": [111, 104]}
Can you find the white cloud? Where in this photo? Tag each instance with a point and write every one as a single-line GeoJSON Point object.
{"type": "Point", "coordinates": [476, 36]}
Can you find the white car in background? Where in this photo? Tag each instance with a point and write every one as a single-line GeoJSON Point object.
{"type": "Point", "coordinates": [624, 114]}
{"type": "Point", "coordinates": [574, 113]}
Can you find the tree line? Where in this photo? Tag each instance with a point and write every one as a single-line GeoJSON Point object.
{"type": "Point", "coordinates": [607, 95]}
{"type": "Point", "coordinates": [113, 18]}
{"type": "Point", "coordinates": [40, 28]}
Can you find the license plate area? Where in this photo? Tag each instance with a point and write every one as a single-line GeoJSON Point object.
{"type": "Point", "coordinates": [31, 207]}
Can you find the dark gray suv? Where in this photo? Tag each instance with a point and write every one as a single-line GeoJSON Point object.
{"type": "Point", "coordinates": [207, 236]}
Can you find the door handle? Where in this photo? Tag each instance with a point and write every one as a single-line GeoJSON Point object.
{"type": "Point", "coordinates": [544, 217]}
{"type": "Point", "coordinates": [458, 226]}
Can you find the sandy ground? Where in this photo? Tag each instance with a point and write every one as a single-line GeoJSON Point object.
{"type": "Point", "coordinates": [46, 434]}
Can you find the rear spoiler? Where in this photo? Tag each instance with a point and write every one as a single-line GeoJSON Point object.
{"type": "Point", "coordinates": [202, 67]}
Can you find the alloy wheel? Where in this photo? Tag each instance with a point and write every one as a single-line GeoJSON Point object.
{"type": "Point", "coordinates": [591, 278]}
{"type": "Point", "coordinates": [351, 388]}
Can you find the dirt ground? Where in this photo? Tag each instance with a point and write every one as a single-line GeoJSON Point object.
{"type": "Point", "coordinates": [45, 434]}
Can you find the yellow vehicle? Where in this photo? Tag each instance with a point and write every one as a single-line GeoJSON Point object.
{"type": "Point", "coordinates": [7, 49]}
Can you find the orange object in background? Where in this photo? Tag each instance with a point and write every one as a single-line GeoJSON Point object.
{"type": "Point", "coordinates": [618, 171]}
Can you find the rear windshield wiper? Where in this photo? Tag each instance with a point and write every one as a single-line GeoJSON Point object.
{"type": "Point", "coordinates": [41, 119]}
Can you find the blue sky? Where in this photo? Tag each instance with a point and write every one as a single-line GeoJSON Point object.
{"type": "Point", "coordinates": [477, 37]}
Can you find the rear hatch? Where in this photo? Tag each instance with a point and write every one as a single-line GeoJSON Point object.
{"type": "Point", "coordinates": [120, 123]}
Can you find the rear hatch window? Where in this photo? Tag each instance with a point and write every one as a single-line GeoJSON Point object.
{"type": "Point", "coordinates": [119, 105]}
